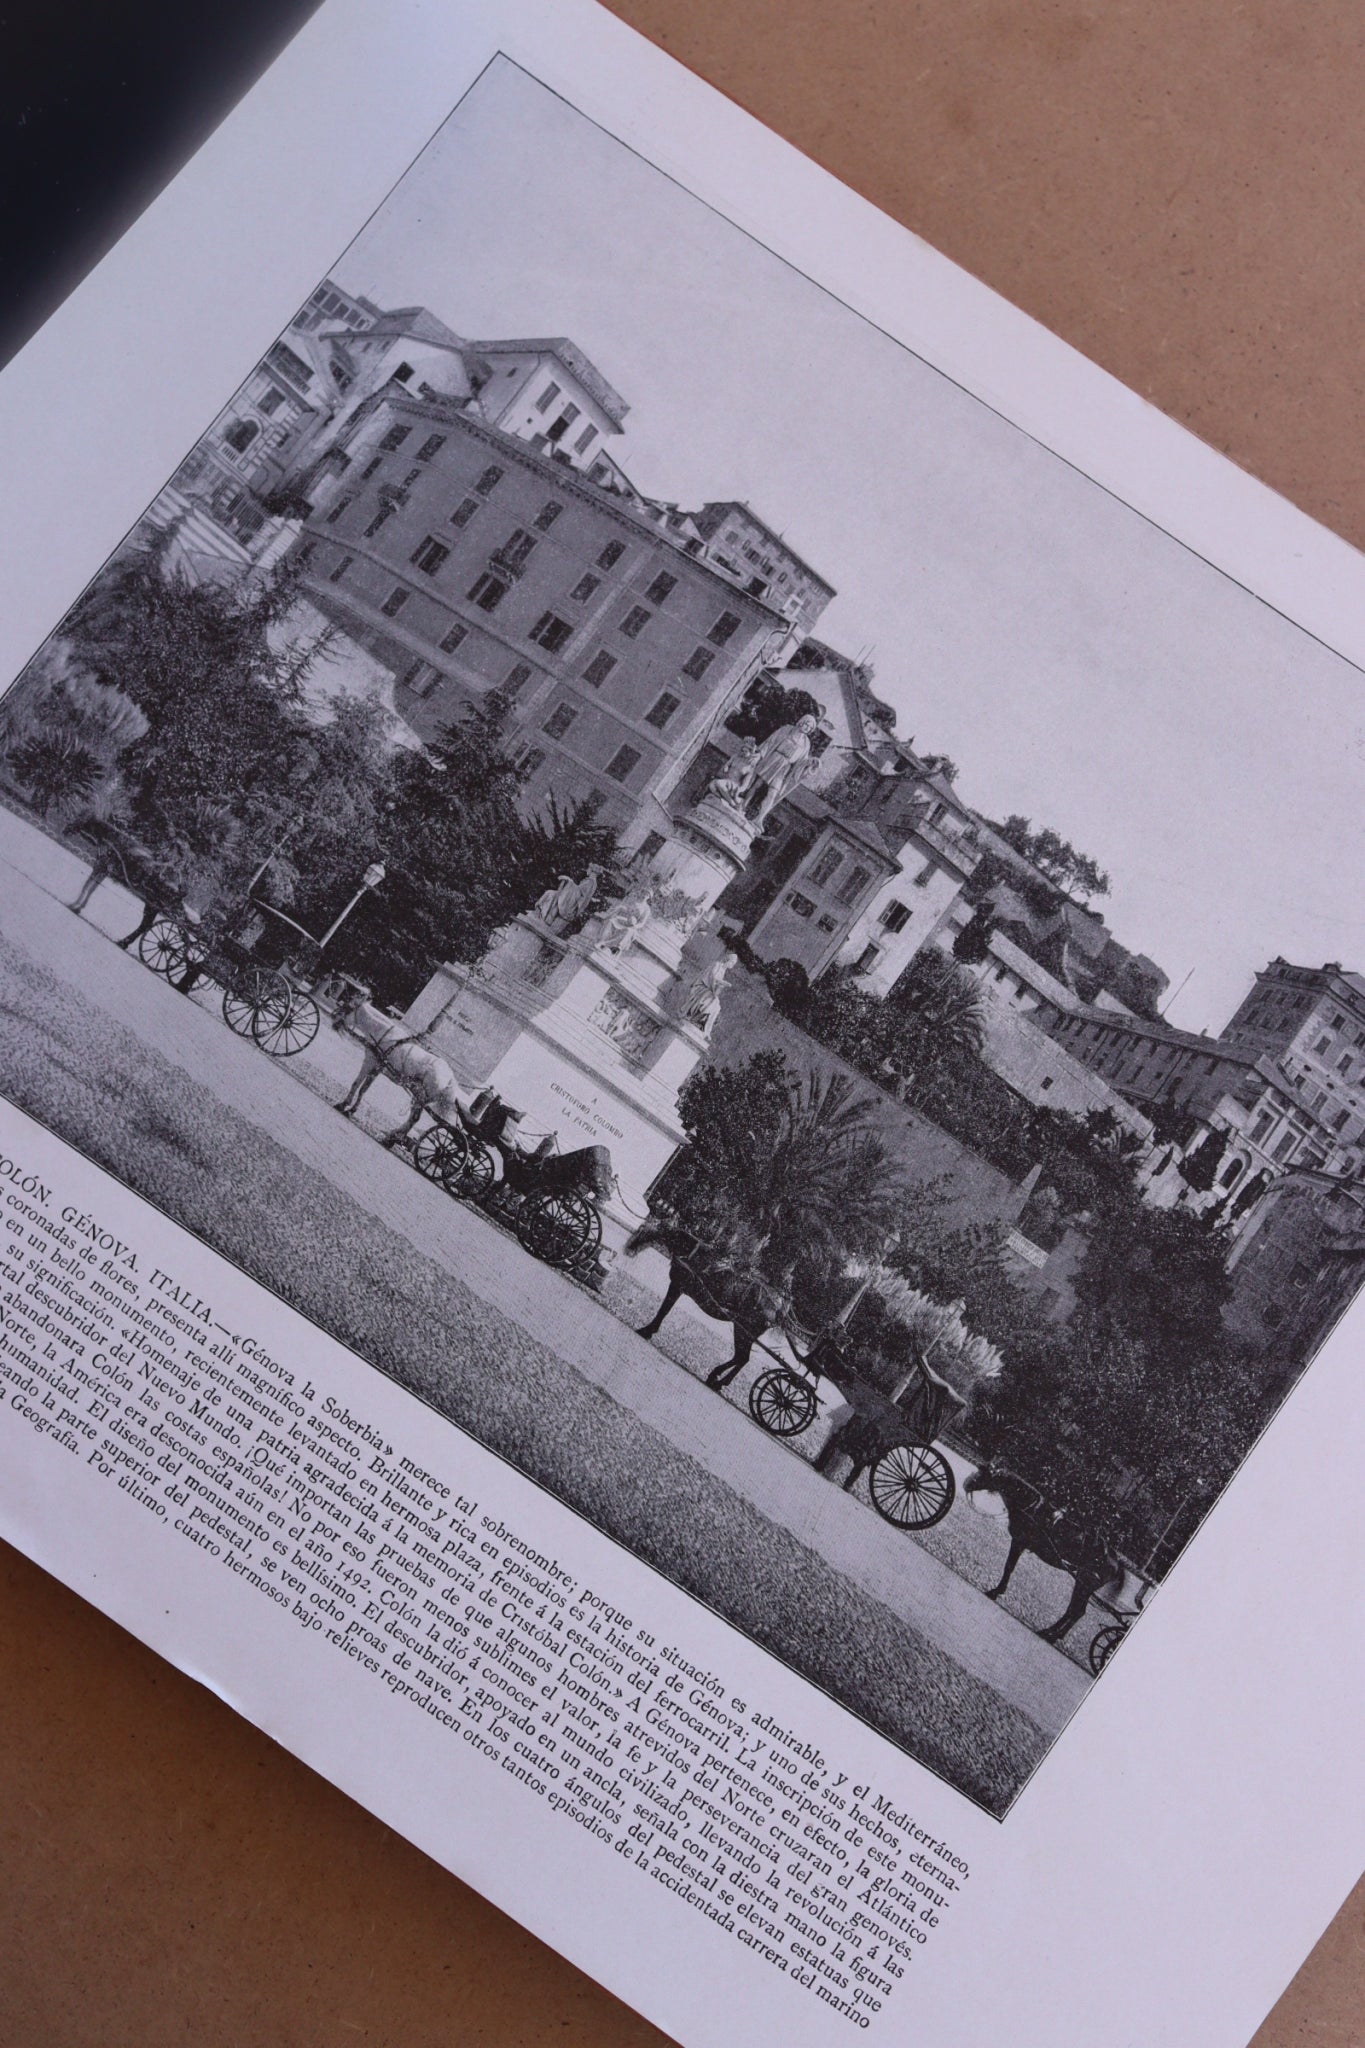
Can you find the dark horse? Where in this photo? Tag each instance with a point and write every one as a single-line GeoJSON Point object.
{"type": "Point", "coordinates": [1051, 1535]}
{"type": "Point", "coordinates": [723, 1285]}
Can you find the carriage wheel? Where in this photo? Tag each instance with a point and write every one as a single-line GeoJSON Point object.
{"type": "Point", "coordinates": [480, 1172]}
{"type": "Point", "coordinates": [1104, 1646]}
{"type": "Point", "coordinates": [284, 1028]}
{"type": "Point", "coordinates": [162, 947]}
{"type": "Point", "coordinates": [556, 1226]}
{"type": "Point", "coordinates": [250, 993]}
{"type": "Point", "coordinates": [912, 1486]}
{"type": "Point", "coordinates": [442, 1154]}
{"type": "Point", "coordinates": [782, 1403]}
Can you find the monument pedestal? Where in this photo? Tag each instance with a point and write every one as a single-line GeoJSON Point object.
{"type": "Point", "coordinates": [591, 1033]}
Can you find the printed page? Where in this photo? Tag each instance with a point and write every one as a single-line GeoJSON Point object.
{"type": "Point", "coordinates": [684, 1057]}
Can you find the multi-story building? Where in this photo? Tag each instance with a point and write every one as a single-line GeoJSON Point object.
{"type": "Point", "coordinates": [756, 556]}
{"type": "Point", "coordinates": [864, 867]}
{"type": "Point", "coordinates": [469, 560]}
{"type": "Point", "coordinates": [1282, 1089]}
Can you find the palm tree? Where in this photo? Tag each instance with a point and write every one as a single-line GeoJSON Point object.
{"type": "Point", "coordinates": [943, 1004]}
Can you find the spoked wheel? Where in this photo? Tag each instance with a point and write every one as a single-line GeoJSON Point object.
{"type": "Point", "coordinates": [284, 1028]}
{"type": "Point", "coordinates": [556, 1226]}
{"type": "Point", "coordinates": [162, 947]}
{"type": "Point", "coordinates": [782, 1403]}
{"type": "Point", "coordinates": [251, 993]}
{"type": "Point", "coordinates": [480, 1172]}
{"type": "Point", "coordinates": [442, 1154]}
{"type": "Point", "coordinates": [1104, 1646]}
{"type": "Point", "coordinates": [912, 1486]}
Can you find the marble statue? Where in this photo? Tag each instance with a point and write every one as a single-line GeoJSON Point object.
{"type": "Point", "coordinates": [703, 1001]}
{"type": "Point", "coordinates": [781, 763]}
{"type": "Point", "coordinates": [620, 925]}
{"type": "Point", "coordinates": [569, 900]}
{"type": "Point", "coordinates": [735, 780]}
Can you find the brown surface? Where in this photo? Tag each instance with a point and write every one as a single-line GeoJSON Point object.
{"type": "Point", "coordinates": [1172, 187]}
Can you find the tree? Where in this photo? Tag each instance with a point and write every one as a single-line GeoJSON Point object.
{"type": "Point", "coordinates": [973, 942]}
{"type": "Point", "coordinates": [793, 1167]}
{"type": "Point", "coordinates": [62, 733]}
{"type": "Point", "coordinates": [1055, 857]}
{"type": "Point", "coordinates": [768, 704]}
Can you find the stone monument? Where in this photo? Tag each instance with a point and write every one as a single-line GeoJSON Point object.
{"type": "Point", "coordinates": [590, 1019]}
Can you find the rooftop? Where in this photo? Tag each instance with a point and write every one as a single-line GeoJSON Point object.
{"type": "Point", "coordinates": [573, 359]}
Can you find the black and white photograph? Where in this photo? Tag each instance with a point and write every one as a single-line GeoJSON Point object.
{"type": "Point", "coordinates": [762, 944]}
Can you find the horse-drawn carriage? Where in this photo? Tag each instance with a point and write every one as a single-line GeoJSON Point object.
{"type": "Point", "coordinates": [548, 1197]}
{"type": "Point", "coordinates": [267, 999]}
{"type": "Point", "coordinates": [889, 1436]}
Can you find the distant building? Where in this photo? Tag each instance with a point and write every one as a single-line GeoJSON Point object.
{"type": "Point", "coordinates": [1296, 1268]}
{"type": "Point", "coordinates": [756, 556]}
{"type": "Point", "coordinates": [469, 560]}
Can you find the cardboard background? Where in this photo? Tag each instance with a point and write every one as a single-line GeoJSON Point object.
{"type": "Point", "coordinates": [1173, 188]}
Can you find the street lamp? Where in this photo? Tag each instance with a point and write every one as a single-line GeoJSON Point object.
{"type": "Point", "coordinates": [372, 877]}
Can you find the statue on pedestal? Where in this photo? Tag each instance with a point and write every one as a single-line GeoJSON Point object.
{"type": "Point", "coordinates": [703, 1000]}
{"type": "Point", "coordinates": [735, 780]}
{"type": "Point", "coordinates": [620, 925]}
{"type": "Point", "coordinates": [569, 901]}
{"type": "Point", "coordinates": [780, 765]}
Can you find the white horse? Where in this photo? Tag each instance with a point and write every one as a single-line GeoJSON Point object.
{"type": "Point", "coordinates": [392, 1048]}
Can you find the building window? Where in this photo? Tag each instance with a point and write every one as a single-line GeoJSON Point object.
{"type": "Point", "coordinates": [530, 760]}
{"type": "Point", "coordinates": [487, 593]}
{"type": "Point", "coordinates": [854, 886]}
{"type": "Point", "coordinates": [867, 959]}
{"type": "Point", "coordinates": [926, 874]}
{"type": "Point", "coordinates": [563, 423]}
{"type": "Point", "coordinates": [517, 679]}
{"type": "Point", "coordinates": [584, 439]}
{"type": "Point", "coordinates": [599, 668]}
{"type": "Point", "coordinates": [403, 375]}
{"type": "Point", "coordinates": [611, 554]}
{"type": "Point", "coordinates": [828, 865]}
{"type": "Point", "coordinates": [621, 763]}
{"type": "Point", "coordinates": [1344, 1063]}
{"type": "Point", "coordinates": [1341, 1119]}
{"type": "Point", "coordinates": [517, 549]}
{"type": "Point", "coordinates": [384, 512]}
{"type": "Point", "coordinates": [270, 400]}
{"type": "Point", "coordinates": [375, 462]}
{"type": "Point", "coordinates": [698, 662]}
{"type": "Point", "coordinates": [895, 917]}
{"type": "Point", "coordinates": [802, 905]}
{"type": "Point", "coordinates": [635, 621]}
{"type": "Point", "coordinates": [584, 588]}
{"type": "Point", "coordinates": [338, 509]}
{"type": "Point", "coordinates": [828, 923]}
{"type": "Point", "coordinates": [430, 554]}
{"type": "Point", "coordinates": [240, 436]}
{"type": "Point", "coordinates": [547, 398]}
{"type": "Point", "coordinates": [429, 447]}
{"type": "Point", "coordinates": [306, 553]}
{"type": "Point", "coordinates": [489, 481]}
{"type": "Point", "coordinates": [394, 602]}
{"type": "Point", "coordinates": [551, 633]}
{"type": "Point", "coordinates": [559, 721]}
{"type": "Point", "coordinates": [1286, 1145]}
{"type": "Point", "coordinates": [661, 587]}
{"type": "Point", "coordinates": [1324, 1044]}
{"type": "Point", "coordinates": [652, 843]}
{"type": "Point", "coordinates": [340, 570]}
{"type": "Point", "coordinates": [421, 678]}
{"type": "Point", "coordinates": [395, 438]}
{"type": "Point", "coordinates": [662, 710]}
{"type": "Point", "coordinates": [725, 628]}
{"type": "Point", "coordinates": [453, 638]}
{"type": "Point", "coordinates": [464, 511]}
{"type": "Point", "coordinates": [547, 516]}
